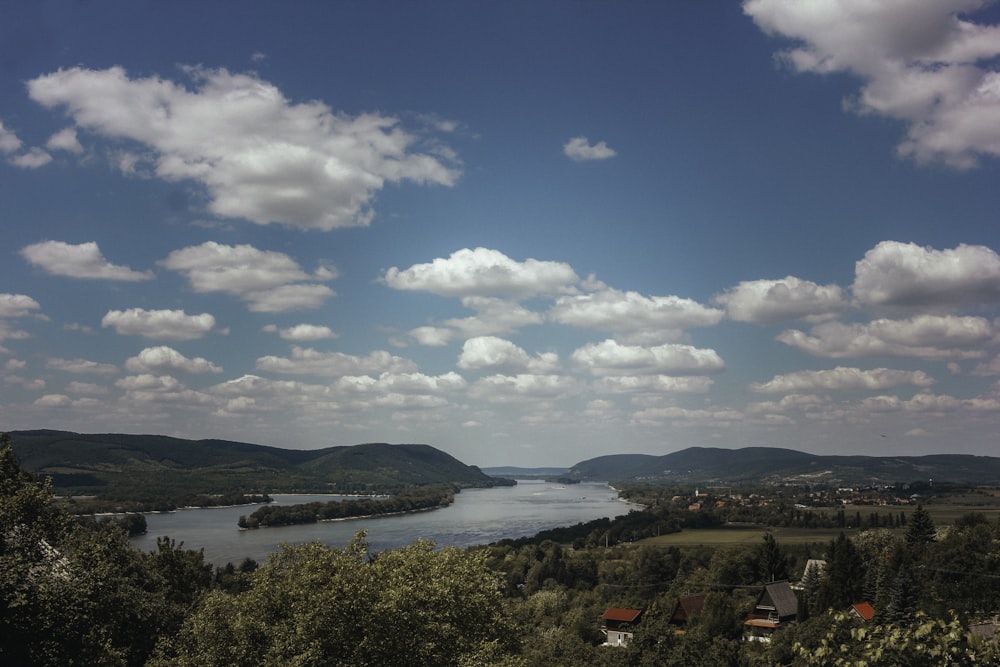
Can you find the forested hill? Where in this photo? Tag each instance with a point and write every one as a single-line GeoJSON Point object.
{"type": "Point", "coordinates": [773, 464]}
{"type": "Point", "coordinates": [108, 462]}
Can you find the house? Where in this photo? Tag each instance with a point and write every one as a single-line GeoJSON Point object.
{"type": "Point", "coordinates": [776, 607]}
{"type": "Point", "coordinates": [864, 610]}
{"type": "Point", "coordinates": [686, 609]}
{"type": "Point", "coordinates": [619, 624]}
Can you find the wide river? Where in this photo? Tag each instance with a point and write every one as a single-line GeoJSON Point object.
{"type": "Point", "coordinates": [478, 516]}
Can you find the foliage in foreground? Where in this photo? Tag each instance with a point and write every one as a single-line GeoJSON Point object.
{"type": "Point", "coordinates": [313, 605]}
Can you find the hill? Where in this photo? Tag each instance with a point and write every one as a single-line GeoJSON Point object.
{"type": "Point", "coordinates": [121, 464]}
{"type": "Point", "coordinates": [770, 465]}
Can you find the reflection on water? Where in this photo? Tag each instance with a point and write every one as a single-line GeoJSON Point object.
{"type": "Point", "coordinates": [478, 516]}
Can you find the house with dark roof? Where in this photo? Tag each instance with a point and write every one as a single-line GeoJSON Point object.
{"type": "Point", "coordinates": [776, 608]}
{"type": "Point", "coordinates": [687, 607]}
{"type": "Point", "coordinates": [618, 625]}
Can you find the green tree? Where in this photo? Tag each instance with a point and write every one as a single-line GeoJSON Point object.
{"type": "Point", "coordinates": [70, 594]}
{"type": "Point", "coordinates": [920, 530]}
{"type": "Point", "coordinates": [772, 562]}
{"type": "Point", "coordinates": [924, 643]}
{"type": "Point", "coordinates": [313, 605]}
{"type": "Point", "coordinates": [843, 584]}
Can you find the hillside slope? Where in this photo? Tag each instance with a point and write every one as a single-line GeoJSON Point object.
{"type": "Point", "coordinates": [112, 462]}
{"type": "Point", "coordinates": [777, 465]}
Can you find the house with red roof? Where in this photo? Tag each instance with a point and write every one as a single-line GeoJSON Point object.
{"type": "Point", "coordinates": [618, 625]}
{"type": "Point", "coordinates": [864, 610]}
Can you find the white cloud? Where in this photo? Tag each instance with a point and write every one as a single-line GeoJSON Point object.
{"type": "Point", "coordinates": [389, 387]}
{"type": "Point", "coordinates": [678, 416]}
{"type": "Point", "coordinates": [905, 274]}
{"type": "Point", "coordinates": [82, 366]}
{"type": "Point", "coordinates": [633, 316]}
{"type": "Point", "coordinates": [841, 379]}
{"type": "Point", "coordinates": [768, 301]}
{"type": "Point", "coordinates": [260, 156]}
{"type": "Point", "coordinates": [493, 316]}
{"type": "Point", "coordinates": [490, 352]}
{"type": "Point", "coordinates": [991, 367]}
{"type": "Point", "coordinates": [307, 361]}
{"type": "Point", "coordinates": [86, 388]}
{"type": "Point", "coordinates": [269, 281]}
{"type": "Point", "coordinates": [64, 140]}
{"type": "Point", "coordinates": [925, 337]}
{"type": "Point", "coordinates": [432, 336]}
{"type": "Point", "coordinates": [923, 63]}
{"type": "Point", "coordinates": [484, 272]}
{"type": "Point", "coordinates": [612, 358]}
{"type": "Point", "coordinates": [304, 332]}
{"type": "Point", "coordinates": [17, 305]}
{"type": "Point", "coordinates": [147, 382]}
{"type": "Point", "coordinates": [523, 387]}
{"type": "Point", "coordinates": [159, 324]}
{"type": "Point", "coordinates": [33, 159]}
{"type": "Point", "coordinates": [633, 384]}
{"type": "Point", "coordinates": [932, 404]}
{"type": "Point", "coordinates": [83, 260]}
{"type": "Point", "coordinates": [53, 401]}
{"type": "Point", "coordinates": [164, 360]}
{"type": "Point", "coordinates": [580, 149]}
{"type": "Point", "coordinates": [9, 143]}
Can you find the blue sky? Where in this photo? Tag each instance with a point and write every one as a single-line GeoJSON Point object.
{"type": "Point", "coordinates": [526, 233]}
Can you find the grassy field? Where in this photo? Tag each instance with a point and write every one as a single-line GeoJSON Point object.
{"type": "Point", "coordinates": [745, 535]}
{"type": "Point", "coordinates": [943, 510]}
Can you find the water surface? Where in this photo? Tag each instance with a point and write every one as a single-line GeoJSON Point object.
{"type": "Point", "coordinates": [478, 516]}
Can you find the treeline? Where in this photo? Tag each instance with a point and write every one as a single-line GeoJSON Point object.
{"type": "Point", "coordinates": [411, 499]}
{"type": "Point", "coordinates": [132, 501]}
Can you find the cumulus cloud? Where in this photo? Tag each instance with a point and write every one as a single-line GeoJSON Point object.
{"type": "Point", "coordinates": [905, 274]}
{"type": "Point", "coordinates": [490, 352]}
{"type": "Point", "coordinates": [925, 336]}
{"type": "Point", "coordinates": [493, 317]}
{"type": "Point", "coordinates": [842, 379]}
{"type": "Point", "coordinates": [633, 316]}
{"type": "Point", "coordinates": [678, 416]}
{"type": "Point", "coordinates": [164, 360]}
{"type": "Point", "coordinates": [9, 143]}
{"type": "Point", "coordinates": [86, 388]}
{"type": "Point", "coordinates": [633, 384]}
{"type": "Point", "coordinates": [308, 361]}
{"type": "Point", "coordinates": [932, 404]}
{"type": "Point", "coordinates": [147, 382]}
{"type": "Point", "coordinates": [64, 140]}
{"type": "Point", "coordinates": [523, 387]}
{"type": "Point", "coordinates": [53, 401]}
{"type": "Point", "coordinates": [580, 149]}
{"type": "Point", "coordinates": [769, 301]}
{"type": "Point", "coordinates": [33, 159]}
{"type": "Point", "coordinates": [303, 332]}
{"type": "Point", "coordinates": [159, 324]}
{"type": "Point", "coordinates": [81, 366]}
{"type": "Point", "coordinates": [17, 305]}
{"type": "Point", "coordinates": [399, 390]}
{"type": "Point", "coordinates": [484, 272]}
{"type": "Point", "coordinates": [269, 281]}
{"type": "Point", "coordinates": [927, 64]}
{"type": "Point", "coordinates": [260, 156]}
{"type": "Point", "coordinates": [83, 260]}
{"type": "Point", "coordinates": [612, 358]}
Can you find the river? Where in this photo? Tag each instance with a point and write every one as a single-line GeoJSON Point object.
{"type": "Point", "coordinates": [478, 516]}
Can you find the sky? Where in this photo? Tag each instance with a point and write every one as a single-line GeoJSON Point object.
{"type": "Point", "coordinates": [526, 233]}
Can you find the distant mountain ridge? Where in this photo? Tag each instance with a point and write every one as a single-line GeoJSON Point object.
{"type": "Point", "coordinates": [774, 464]}
{"type": "Point", "coordinates": [105, 461]}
